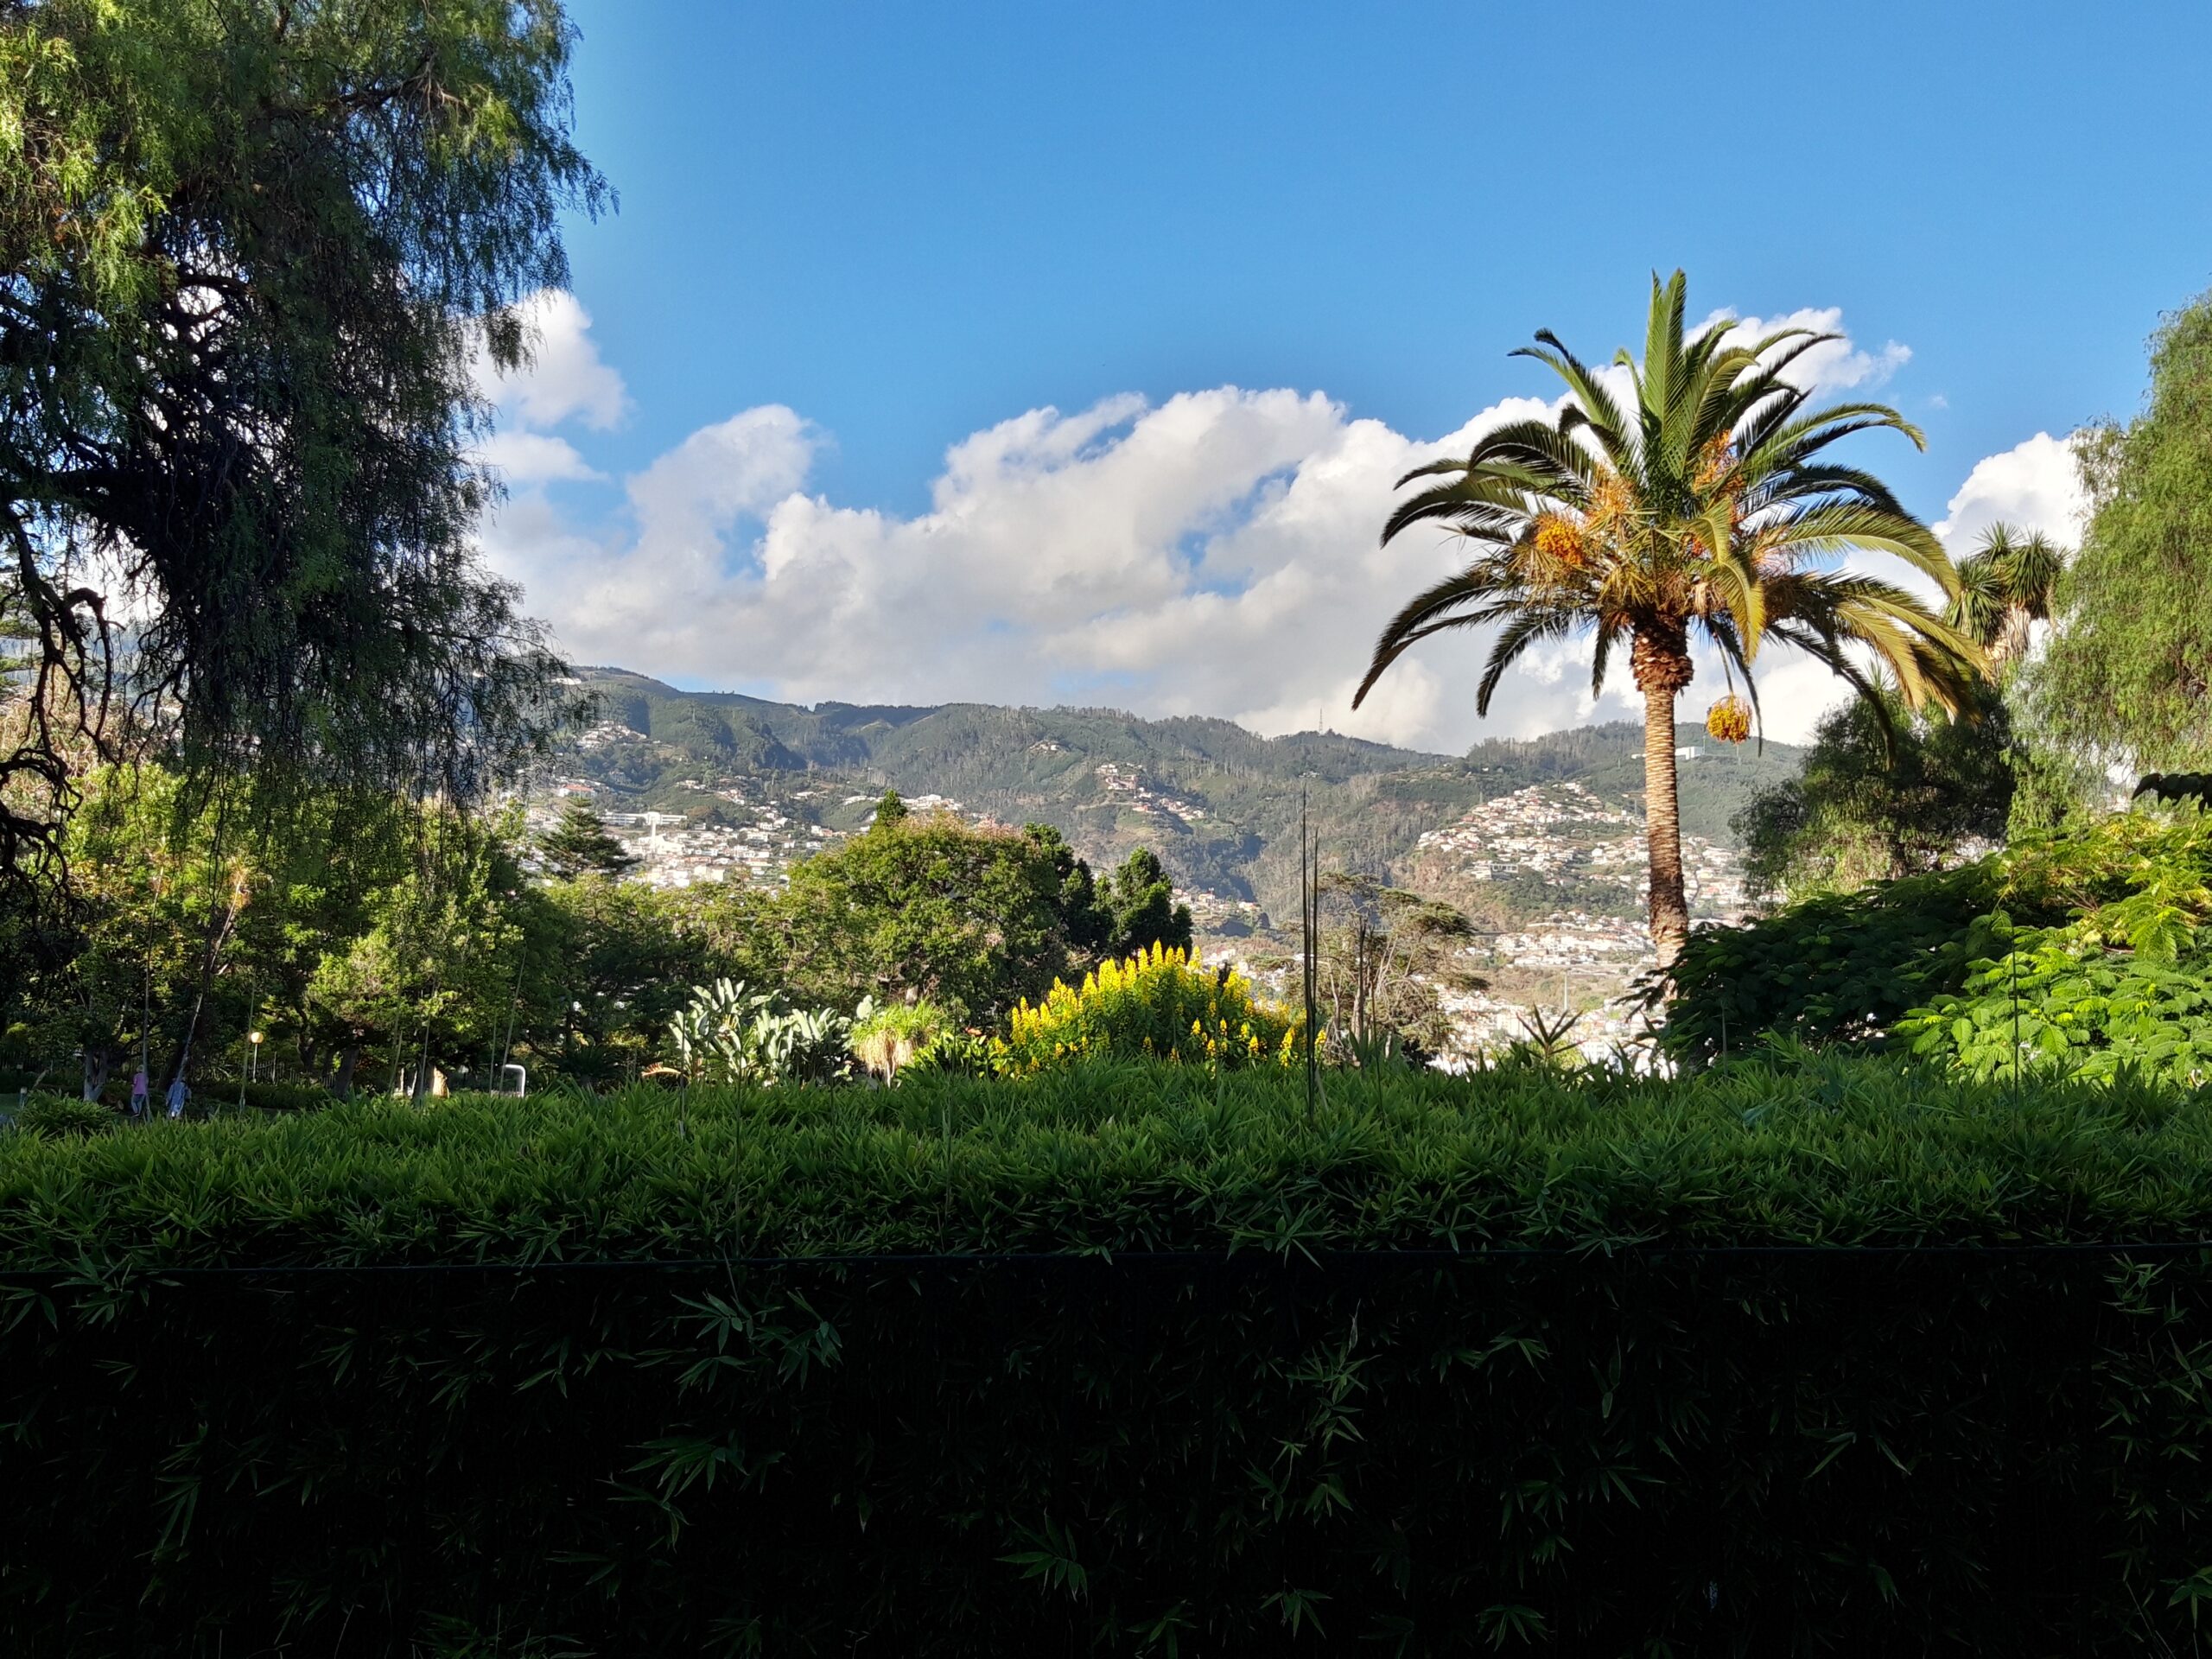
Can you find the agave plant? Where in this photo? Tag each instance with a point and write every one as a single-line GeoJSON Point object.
{"type": "Point", "coordinates": [803, 1045]}
{"type": "Point", "coordinates": [1702, 509]}
{"type": "Point", "coordinates": [731, 1034]}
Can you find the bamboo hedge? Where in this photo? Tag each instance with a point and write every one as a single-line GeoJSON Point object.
{"type": "Point", "coordinates": [1821, 1359]}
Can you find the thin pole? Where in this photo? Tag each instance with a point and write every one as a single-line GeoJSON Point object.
{"type": "Point", "coordinates": [1310, 926]}
{"type": "Point", "coordinates": [246, 1041]}
{"type": "Point", "coordinates": [507, 1047]}
{"type": "Point", "coordinates": [2012, 959]}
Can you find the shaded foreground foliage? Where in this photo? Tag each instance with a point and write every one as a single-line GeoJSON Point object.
{"type": "Point", "coordinates": [1237, 1380]}
{"type": "Point", "coordinates": [2083, 953]}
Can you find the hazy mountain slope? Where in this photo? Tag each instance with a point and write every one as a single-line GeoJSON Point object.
{"type": "Point", "coordinates": [1218, 803]}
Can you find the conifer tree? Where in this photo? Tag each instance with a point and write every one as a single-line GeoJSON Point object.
{"type": "Point", "coordinates": [579, 845]}
{"type": "Point", "coordinates": [1141, 900]}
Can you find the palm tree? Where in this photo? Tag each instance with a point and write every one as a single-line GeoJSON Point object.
{"type": "Point", "coordinates": [2005, 584]}
{"type": "Point", "coordinates": [1702, 511]}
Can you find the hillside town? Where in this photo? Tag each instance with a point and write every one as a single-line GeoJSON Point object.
{"type": "Point", "coordinates": [1563, 831]}
{"type": "Point", "coordinates": [1581, 955]}
{"type": "Point", "coordinates": [747, 838]}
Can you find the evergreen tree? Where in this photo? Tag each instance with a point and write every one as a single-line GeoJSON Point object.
{"type": "Point", "coordinates": [579, 845]}
{"type": "Point", "coordinates": [2129, 672]}
{"type": "Point", "coordinates": [254, 253]}
{"type": "Point", "coordinates": [1139, 904]}
{"type": "Point", "coordinates": [919, 907]}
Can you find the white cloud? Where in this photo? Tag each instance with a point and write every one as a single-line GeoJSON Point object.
{"type": "Point", "coordinates": [2032, 486]}
{"type": "Point", "coordinates": [528, 457]}
{"type": "Point", "coordinates": [1833, 365]}
{"type": "Point", "coordinates": [565, 378]}
{"type": "Point", "coordinates": [1214, 554]}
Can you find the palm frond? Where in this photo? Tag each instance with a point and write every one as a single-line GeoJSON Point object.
{"type": "Point", "coordinates": [1515, 637]}
{"type": "Point", "coordinates": [1597, 406]}
{"type": "Point", "coordinates": [1432, 610]}
{"type": "Point", "coordinates": [1843, 525]}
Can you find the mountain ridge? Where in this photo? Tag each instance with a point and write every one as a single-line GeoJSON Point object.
{"type": "Point", "coordinates": [1220, 804]}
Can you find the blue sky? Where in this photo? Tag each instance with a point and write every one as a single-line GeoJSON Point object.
{"type": "Point", "coordinates": [905, 225]}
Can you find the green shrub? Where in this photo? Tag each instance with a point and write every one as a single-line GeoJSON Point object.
{"type": "Point", "coordinates": [958, 1052]}
{"type": "Point", "coordinates": [1202, 1385]}
{"type": "Point", "coordinates": [1832, 968]}
{"type": "Point", "coordinates": [2061, 1006]}
{"type": "Point", "coordinates": [57, 1116]}
{"type": "Point", "coordinates": [1820, 1148]}
{"type": "Point", "coordinates": [284, 1096]}
{"type": "Point", "coordinates": [1850, 969]}
{"type": "Point", "coordinates": [889, 1038]}
{"type": "Point", "coordinates": [1155, 1005]}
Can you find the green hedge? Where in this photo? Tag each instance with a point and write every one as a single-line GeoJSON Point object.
{"type": "Point", "coordinates": [1218, 1389]}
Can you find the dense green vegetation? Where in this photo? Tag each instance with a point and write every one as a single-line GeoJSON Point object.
{"type": "Point", "coordinates": [2078, 953]}
{"type": "Point", "coordinates": [374, 954]}
{"type": "Point", "coordinates": [1290, 1436]}
{"type": "Point", "coordinates": [251, 252]}
{"type": "Point", "coordinates": [1883, 792]}
{"type": "Point", "coordinates": [1141, 1157]}
{"type": "Point", "coordinates": [2130, 657]}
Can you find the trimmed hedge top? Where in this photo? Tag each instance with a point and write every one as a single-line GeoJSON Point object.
{"type": "Point", "coordinates": [1829, 1150]}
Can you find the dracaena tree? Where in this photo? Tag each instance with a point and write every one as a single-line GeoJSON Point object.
{"type": "Point", "coordinates": [1687, 499]}
{"type": "Point", "coordinates": [2005, 585]}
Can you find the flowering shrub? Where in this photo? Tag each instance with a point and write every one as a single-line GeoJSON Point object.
{"type": "Point", "coordinates": [1155, 1005]}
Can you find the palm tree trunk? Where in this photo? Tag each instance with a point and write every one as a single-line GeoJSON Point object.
{"type": "Point", "coordinates": [1670, 911]}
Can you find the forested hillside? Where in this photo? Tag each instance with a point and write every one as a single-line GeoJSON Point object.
{"type": "Point", "coordinates": [1218, 803]}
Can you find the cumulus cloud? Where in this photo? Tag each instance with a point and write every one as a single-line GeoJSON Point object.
{"type": "Point", "coordinates": [1833, 365]}
{"type": "Point", "coordinates": [565, 378]}
{"type": "Point", "coordinates": [1212, 554]}
{"type": "Point", "coordinates": [529, 458]}
{"type": "Point", "coordinates": [2032, 486]}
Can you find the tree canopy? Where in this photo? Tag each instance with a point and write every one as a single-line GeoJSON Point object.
{"type": "Point", "coordinates": [1882, 793]}
{"type": "Point", "coordinates": [2130, 660]}
{"type": "Point", "coordinates": [250, 252]}
{"type": "Point", "coordinates": [579, 845]}
{"type": "Point", "coordinates": [1138, 902]}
